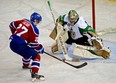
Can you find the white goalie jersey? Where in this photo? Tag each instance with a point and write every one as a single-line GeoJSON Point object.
{"type": "Point", "coordinates": [75, 32]}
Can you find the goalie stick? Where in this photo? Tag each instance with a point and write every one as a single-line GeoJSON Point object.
{"type": "Point", "coordinates": [51, 11]}
{"type": "Point", "coordinates": [75, 66]}
{"type": "Point", "coordinates": [58, 35]}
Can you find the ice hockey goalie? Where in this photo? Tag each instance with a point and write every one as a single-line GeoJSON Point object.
{"type": "Point", "coordinates": [74, 29]}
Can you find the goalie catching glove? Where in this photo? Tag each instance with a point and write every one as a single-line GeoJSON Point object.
{"type": "Point", "coordinates": [94, 41]}
{"type": "Point", "coordinates": [99, 47]}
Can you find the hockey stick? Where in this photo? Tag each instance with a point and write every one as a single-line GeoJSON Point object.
{"type": "Point", "coordinates": [49, 4]}
{"type": "Point", "coordinates": [77, 67]}
{"type": "Point", "coordinates": [62, 45]}
{"type": "Point", "coordinates": [51, 11]}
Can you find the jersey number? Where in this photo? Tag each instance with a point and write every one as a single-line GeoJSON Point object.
{"type": "Point", "coordinates": [24, 29]}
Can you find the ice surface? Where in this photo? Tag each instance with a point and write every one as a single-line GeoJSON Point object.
{"type": "Point", "coordinates": [54, 70]}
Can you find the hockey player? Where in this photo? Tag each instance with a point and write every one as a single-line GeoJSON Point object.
{"type": "Point", "coordinates": [79, 32]}
{"type": "Point", "coordinates": [24, 41]}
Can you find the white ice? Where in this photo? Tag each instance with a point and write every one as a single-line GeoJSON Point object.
{"type": "Point", "coordinates": [54, 70]}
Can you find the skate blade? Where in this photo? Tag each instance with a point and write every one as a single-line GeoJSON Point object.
{"type": "Point", "coordinates": [33, 79]}
{"type": "Point", "coordinates": [40, 79]}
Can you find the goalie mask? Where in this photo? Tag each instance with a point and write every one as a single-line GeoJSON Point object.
{"type": "Point", "coordinates": [73, 16]}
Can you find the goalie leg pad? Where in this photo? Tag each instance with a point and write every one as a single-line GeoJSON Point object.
{"type": "Point", "coordinates": [54, 48]}
{"type": "Point", "coordinates": [105, 53]}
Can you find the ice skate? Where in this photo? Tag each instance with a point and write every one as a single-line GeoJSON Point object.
{"type": "Point", "coordinates": [67, 57]}
{"type": "Point", "coordinates": [24, 67]}
{"type": "Point", "coordinates": [35, 77]}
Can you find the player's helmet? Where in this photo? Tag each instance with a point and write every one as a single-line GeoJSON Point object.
{"type": "Point", "coordinates": [35, 17]}
{"type": "Point", "coordinates": [73, 16]}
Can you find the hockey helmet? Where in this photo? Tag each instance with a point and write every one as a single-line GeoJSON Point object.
{"type": "Point", "coordinates": [73, 16]}
{"type": "Point", "coordinates": [35, 17]}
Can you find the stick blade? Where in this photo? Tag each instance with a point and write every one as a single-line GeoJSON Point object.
{"type": "Point", "coordinates": [81, 65]}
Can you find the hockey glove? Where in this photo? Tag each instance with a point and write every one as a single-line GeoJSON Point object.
{"type": "Point", "coordinates": [96, 42]}
{"type": "Point", "coordinates": [40, 49]}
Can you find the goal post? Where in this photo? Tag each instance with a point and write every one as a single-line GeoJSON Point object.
{"type": "Point", "coordinates": [93, 15]}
